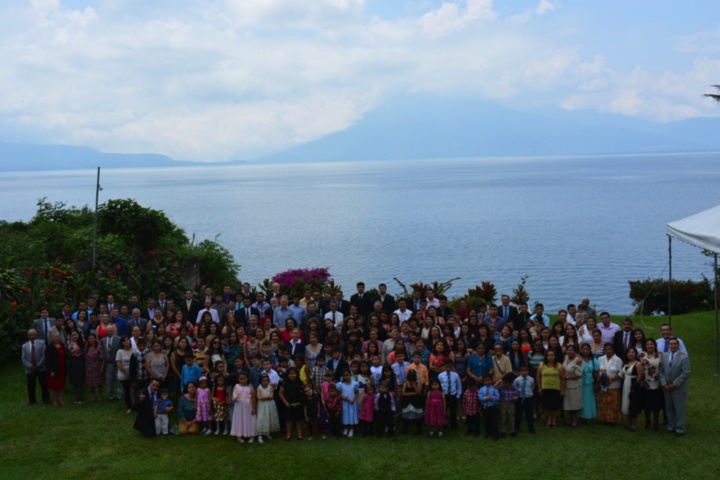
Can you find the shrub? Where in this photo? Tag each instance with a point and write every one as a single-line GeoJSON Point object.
{"type": "Point", "coordinates": [687, 296]}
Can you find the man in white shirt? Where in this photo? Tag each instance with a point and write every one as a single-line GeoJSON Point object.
{"type": "Point", "coordinates": [663, 343]}
{"type": "Point", "coordinates": [607, 328]}
{"type": "Point", "coordinates": [431, 300]}
{"type": "Point", "coordinates": [402, 312]}
{"type": "Point", "coordinates": [334, 315]}
{"type": "Point", "coordinates": [207, 308]}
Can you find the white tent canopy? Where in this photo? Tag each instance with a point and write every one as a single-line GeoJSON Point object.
{"type": "Point", "coordinates": [701, 230]}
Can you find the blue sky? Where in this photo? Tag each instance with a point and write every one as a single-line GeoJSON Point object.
{"type": "Point", "coordinates": [235, 79]}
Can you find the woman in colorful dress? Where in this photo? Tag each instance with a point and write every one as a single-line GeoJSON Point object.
{"type": "Point", "coordinates": [651, 394]}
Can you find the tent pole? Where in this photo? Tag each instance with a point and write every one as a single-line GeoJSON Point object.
{"type": "Point", "coordinates": [670, 281]}
{"type": "Point", "coordinates": [717, 336]}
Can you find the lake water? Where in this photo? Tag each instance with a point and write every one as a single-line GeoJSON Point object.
{"type": "Point", "coordinates": [577, 226]}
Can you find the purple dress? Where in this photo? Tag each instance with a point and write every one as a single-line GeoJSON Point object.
{"type": "Point", "coordinates": [203, 413]}
{"type": "Point", "coordinates": [435, 412]}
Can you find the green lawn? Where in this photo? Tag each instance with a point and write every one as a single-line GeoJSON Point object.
{"type": "Point", "coordinates": [97, 440]}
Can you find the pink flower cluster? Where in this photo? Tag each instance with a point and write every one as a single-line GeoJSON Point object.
{"type": "Point", "coordinates": [311, 276]}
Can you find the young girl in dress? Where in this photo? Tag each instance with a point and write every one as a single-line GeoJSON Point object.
{"type": "Point", "coordinates": [435, 409]}
{"type": "Point", "coordinates": [412, 402]}
{"type": "Point", "coordinates": [367, 410]}
{"type": "Point", "coordinates": [267, 414]}
{"type": "Point", "coordinates": [244, 420]}
{"type": "Point", "coordinates": [348, 390]}
{"type": "Point", "coordinates": [291, 397]}
{"type": "Point", "coordinates": [220, 407]}
{"type": "Point", "coordinates": [312, 408]}
{"type": "Point", "coordinates": [203, 410]}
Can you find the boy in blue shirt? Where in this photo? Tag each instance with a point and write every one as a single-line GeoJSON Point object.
{"type": "Point", "coordinates": [452, 388]}
{"type": "Point", "coordinates": [191, 372]}
{"type": "Point", "coordinates": [524, 405]}
{"type": "Point", "coordinates": [489, 396]}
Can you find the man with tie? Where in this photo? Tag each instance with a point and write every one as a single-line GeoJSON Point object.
{"type": "Point", "coordinates": [242, 316]}
{"type": "Point", "coordinates": [136, 321]}
{"type": "Point", "coordinates": [144, 404]}
{"type": "Point", "coordinates": [111, 345]}
{"type": "Point", "coordinates": [415, 301]}
{"type": "Point", "coordinates": [343, 306]}
{"type": "Point", "coordinates": [363, 302]}
{"type": "Point", "coordinates": [663, 342]}
{"type": "Point", "coordinates": [334, 315]}
{"type": "Point", "coordinates": [189, 306]}
{"type": "Point", "coordinates": [507, 311]}
{"type": "Point", "coordinates": [674, 375]}
{"type": "Point", "coordinates": [111, 303]}
{"type": "Point", "coordinates": [247, 293]}
{"type": "Point", "coordinates": [622, 340]}
{"type": "Point", "coordinates": [452, 388]}
{"type": "Point", "coordinates": [162, 303]}
{"type": "Point", "coordinates": [60, 329]}
{"type": "Point", "coordinates": [388, 301]}
{"type": "Point", "coordinates": [33, 359]}
{"type": "Point", "coordinates": [43, 325]}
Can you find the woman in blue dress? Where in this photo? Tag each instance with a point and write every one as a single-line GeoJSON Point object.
{"type": "Point", "coordinates": [589, 379]}
{"type": "Point", "coordinates": [348, 390]}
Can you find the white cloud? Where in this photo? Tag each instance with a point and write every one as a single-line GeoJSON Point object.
{"type": "Point", "coordinates": [456, 16]}
{"type": "Point", "coordinates": [236, 79]}
{"type": "Point", "coordinates": [706, 42]}
{"type": "Point", "coordinates": [544, 6]}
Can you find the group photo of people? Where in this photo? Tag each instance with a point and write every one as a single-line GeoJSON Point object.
{"type": "Point", "coordinates": [260, 366]}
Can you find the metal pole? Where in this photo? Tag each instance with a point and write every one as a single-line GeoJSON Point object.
{"type": "Point", "coordinates": [717, 336]}
{"type": "Point", "coordinates": [97, 195]}
{"type": "Point", "coordinates": [670, 281]}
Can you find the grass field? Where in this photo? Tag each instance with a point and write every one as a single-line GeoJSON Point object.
{"type": "Point", "coordinates": [97, 440]}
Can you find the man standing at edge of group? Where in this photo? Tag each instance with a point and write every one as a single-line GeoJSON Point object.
{"type": "Point", "coordinates": [665, 336]}
{"type": "Point", "coordinates": [674, 375]}
{"type": "Point", "coordinates": [33, 359]}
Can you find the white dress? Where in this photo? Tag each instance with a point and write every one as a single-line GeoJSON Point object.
{"type": "Point", "coordinates": [267, 414]}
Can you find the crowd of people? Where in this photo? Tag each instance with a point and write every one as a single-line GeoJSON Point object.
{"type": "Point", "coordinates": [253, 364]}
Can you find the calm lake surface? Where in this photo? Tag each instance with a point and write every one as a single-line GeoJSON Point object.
{"type": "Point", "coordinates": [577, 227]}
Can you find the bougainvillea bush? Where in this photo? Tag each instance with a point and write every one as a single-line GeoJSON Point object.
{"type": "Point", "coordinates": [294, 282]}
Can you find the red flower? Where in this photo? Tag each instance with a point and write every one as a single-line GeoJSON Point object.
{"type": "Point", "coordinates": [58, 258]}
{"type": "Point", "coordinates": [28, 273]}
{"type": "Point", "coordinates": [67, 272]}
{"type": "Point", "coordinates": [14, 305]}
{"type": "Point", "coordinates": [43, 273]}
{"type": "Point", "coordinates": [27, 290]}
{"type": "Point", "coordinates": [112, 276]}
{"type": "Point", "coordinates": [118, 267]}
{"type": "Point", "coordinates": [47, 292]}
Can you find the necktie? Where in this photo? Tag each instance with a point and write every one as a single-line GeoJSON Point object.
{"type": "Point", "coordinates": [523, 388]}
{"type": "Point", "coordinates": [506, 314]}
{"type": "Point", "coordinates": [32, 353]}
{"type": "Point", "coordinates": [247, 314]}
{"type": "Point", "coordinates": [47, 328]}
{"type": "Point", "coordinates": [672, 358]}
{"type": "Point", "coordinates": [333, 318]}
{"type": "Point", "coordinates": [627, 337]}
{"type": "Point", "coordinates": [666, 346]}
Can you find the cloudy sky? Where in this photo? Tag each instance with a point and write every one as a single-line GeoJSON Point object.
{"type": "Point", "coordinates": [234, 79]}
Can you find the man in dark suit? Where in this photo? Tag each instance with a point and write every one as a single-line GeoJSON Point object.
{"type": "Point", "coordinates": [111, 345]}
{"type": "Point", "coordinates": [275, 292]}
{"type": "Point", "coordinates": [247, 293]}
{"type": "Point", "coordinates": [363, 302]}
{"type": "Point", "coordinates": [33, 359]}
{"type": "Point", "coordinates": [136, 321]}
{"type": "Point", "coordinates": [388, 301]}
{"type": "Point", "coordinates": [622, 340]}
{"type": "Point", "coordinates": [43, 325]}
{"type": "Point", "coordinates": [242, 316]}
{"type": "Point", "coordinates": [443, 310]}
{"type": "Point", "coordinates": [343, 306]}
{"type": "Point", "coordinates": [413, 304]}
{"type": "Point", "coordinates": [674, 374]}
{"type": "Point", "coordinates": [189, 306]}
{"type": "Point", "coordinates": [295, 345]}
{"type": "Point", "coordinates": [337, 364]}
{"type": "Point", "coordinates": [508, 312]}
{"type": "Point", "coordinates": [145, 406]}
{"type": "Point", "coordinates": [134, 303]}
{"type": "Point", "coordinates": [162, 302]}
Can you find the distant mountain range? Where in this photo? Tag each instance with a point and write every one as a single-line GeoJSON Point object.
{"type": "Point", "coordinates": [423, 127]}
{"type": "Point", "coordinates": [430, 127]}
